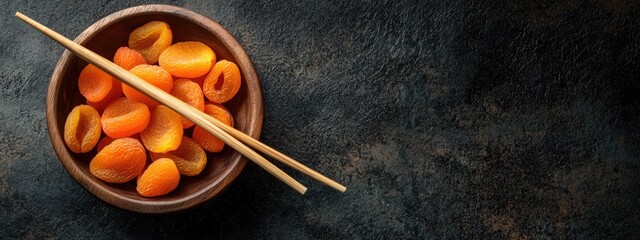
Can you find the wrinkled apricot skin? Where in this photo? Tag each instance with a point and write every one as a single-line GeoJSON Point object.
{"type": "Point", "coordinates": [223, 82]}
{"type": "Point", "coordinates": [128, 58]}
{"type": "Point", "coordinates": [119, 162]}
{"type": "Point", "coordinates": [205, 139]}
{"type": "Point", "coordinates": [190, 158]}
{"type": "Point", "coordinates": [124, 117]}
{"type": "Point", "coordinates": [164, 131]}
{"type": "Point", "coordinates": [114, 93]}
{"type": "Point", "coordinates": [190, 93]}
{"type": "Point", "coordinates": [219, 109]}
{"type": "Point", "coordinates": [161, 177]}
{"type": "Point", "coordinates": [151, 74]}
{"type": "Point", "coordinates": [94, 84]}
{"type": "Point", "coordinates": [151, 39]}
{"type": "Point", "coordinates": [104, 142]}
{"type": "Point", "coordinates": [187, 59]}
{"type": "Point", "coordinates": [82, 129]}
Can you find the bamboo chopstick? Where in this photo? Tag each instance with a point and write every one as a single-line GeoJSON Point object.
{"type": "Point", "coordinates": [155, 93]}
{"type": "Point", "coordinates": [276, 155]}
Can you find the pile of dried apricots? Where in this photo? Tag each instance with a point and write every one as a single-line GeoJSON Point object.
{"type": "Point", "coordinates": [134, 123]}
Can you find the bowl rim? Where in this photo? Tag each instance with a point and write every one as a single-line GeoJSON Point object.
{"type": "Point", "coordinates": [200, 196]}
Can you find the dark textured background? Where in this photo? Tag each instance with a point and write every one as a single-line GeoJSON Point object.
{"type": "Point", "coordinates": [445, 119]}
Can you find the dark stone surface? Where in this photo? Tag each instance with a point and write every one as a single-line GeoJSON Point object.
{"type": "Point", "coordinates": [445, 119]}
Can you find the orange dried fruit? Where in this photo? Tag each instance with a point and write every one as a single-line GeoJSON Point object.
{"type": "Point", "coordinates": [151, 74]}
{"type": "Point", "coordinates": [161, 177]}
{"type": "Point", "coordinates": [205, 139]}
{"type": "Point", "coordinates": [119, 162]}
{"type": "Point", "coordinates": [114, 93]}
{"type": "Point", "coordinates": [124, 117]}
{"type": "Point", "coordinates": [187, 59]}
{"type": "Point", "coordinates": [151, 39]}
{"type": "Point", "coordinates": [94, 84]}
{"type": "Point", "coordinates": [82, 129]}
{"type": "Point", "coordinates": [164, 131]}
{"type": "Point", "coordinates": [190, 158]}
{"type": "Point", "coordinates": [128, 58]}
{"type": "Point", "coordinates": [190, 93]}
{"type": "Point", "coordinates": [223, 82]}
{"type": "Point", "coordinates": [104, 142]}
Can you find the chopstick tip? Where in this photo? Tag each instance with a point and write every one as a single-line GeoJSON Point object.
{"type": "Point", "coordinates": [21, 16]}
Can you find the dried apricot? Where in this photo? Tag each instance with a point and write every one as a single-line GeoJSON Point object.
{"type": "Point", "coordinates": [114, 93]}
{"type": "Point", "coordinates": [161, 177]}
{"type": "Point", "coordinates": [189, 157]}
{"type": "Point", "coordinates": [82, 129]}
{"type": "Point", "coordinates": [119, 162]}
{"type": "Point", "coordinates": [151, 39]}
{"type": "Point", "coordinates": [223, 82]}
{"type": "Point", "coordinates": [205, 139]}
{"type": "Point", "coordinates": [187, 59]}
{"type": "Point", "coordinates": [94, 84]}
{"type": "Point", "coordinates": [104, 142]}
{"type": "Point", "coordinates": [226, 112]}
{"type": "Point", "coordinates": [124, 117]}
{"type": "Point", "coordinates": [190, 93]}
{"type": "Point", "coordinates": [128, 58]}
{"type": "Point", "coordinates": [152, 74]}
{"type": "Point", "coordinates": [164, 131]}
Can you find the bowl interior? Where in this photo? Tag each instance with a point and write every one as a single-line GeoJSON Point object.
{"type": "Point", "coordinates": [221, 168]}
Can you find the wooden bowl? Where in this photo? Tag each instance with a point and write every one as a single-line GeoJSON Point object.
{"type": "Point", "coordinates": [112, 32]}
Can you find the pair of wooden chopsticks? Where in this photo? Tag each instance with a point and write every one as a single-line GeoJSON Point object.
{"type": "Point", "coordinates": [227, 134]}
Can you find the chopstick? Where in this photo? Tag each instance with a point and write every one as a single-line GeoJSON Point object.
{"type": "Point", "coordinates": [225, 133]}
{"type": "Point", "coordinates": [276, 155]}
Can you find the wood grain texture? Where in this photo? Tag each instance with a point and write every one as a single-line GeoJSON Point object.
{"type": "Point", "coordinates": [104, 37]}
